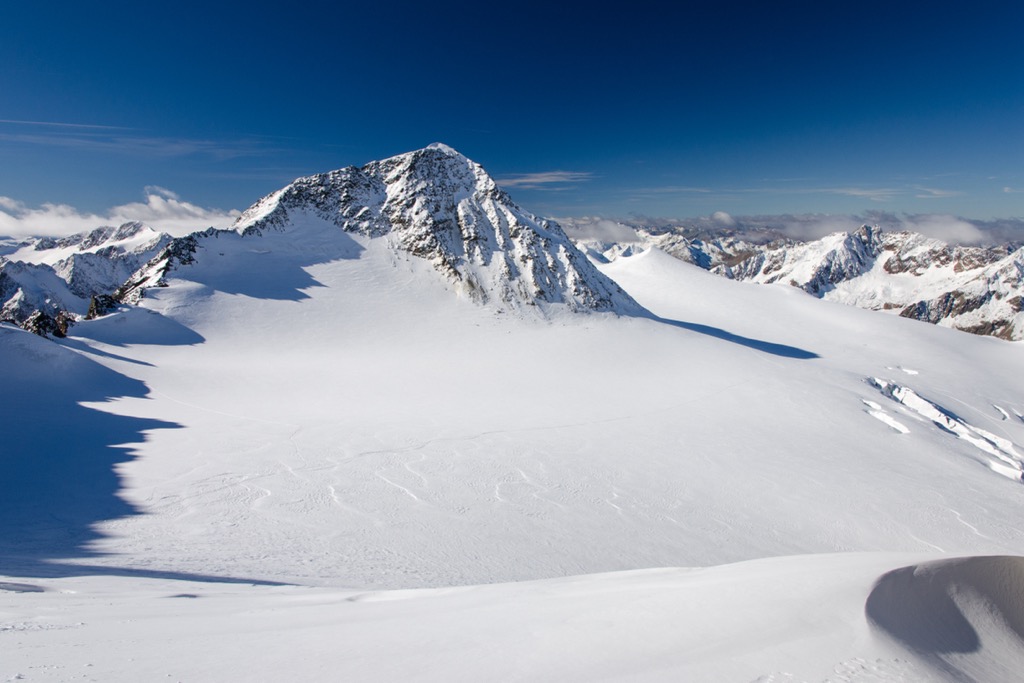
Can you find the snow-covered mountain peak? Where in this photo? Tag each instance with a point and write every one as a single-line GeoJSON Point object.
{"type": "Point", "coordinates": [436, 204]}
{"type": "Point", "coordinates": [440, 146]}
{"type": "Point", "coordinates": [130, 237]}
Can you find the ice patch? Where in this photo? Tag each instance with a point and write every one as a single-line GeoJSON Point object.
{"type": "Point", "coordinates": [1006, 416]}
{"type": "Point", "coordinates": [898, 426]}
{"type": "Point", "coordinates": [876, 411]}
{"type": "Point", "coordinates": [1005, 459]}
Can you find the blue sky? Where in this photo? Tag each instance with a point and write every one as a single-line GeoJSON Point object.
{"type": "Point", "coordinates": [643, 108]}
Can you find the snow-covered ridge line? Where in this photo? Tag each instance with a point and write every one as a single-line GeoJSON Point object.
{"type": "Point", "coordinates": [46, 284]}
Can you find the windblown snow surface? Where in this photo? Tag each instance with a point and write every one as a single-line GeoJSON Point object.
{"type": "Point", "coordinates": [306, 459]}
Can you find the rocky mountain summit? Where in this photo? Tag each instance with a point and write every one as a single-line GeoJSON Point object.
{"type": "Point", "coordinates": [437, 205]}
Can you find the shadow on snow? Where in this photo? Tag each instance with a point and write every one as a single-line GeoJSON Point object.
{"type": "Point", "coordinates": [782, 350]}
{"type": "Point", "coordinates": [59, 458]}
{"type": "Point", "coordinates": [268, 265]}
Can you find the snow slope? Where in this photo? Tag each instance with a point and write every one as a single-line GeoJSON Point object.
{"type": "Point", "coordinates": [820, 618]}
{"type": "Point", "coordinates": [348, 422]}
{"type": "Point", "coordinates": [313, 406]}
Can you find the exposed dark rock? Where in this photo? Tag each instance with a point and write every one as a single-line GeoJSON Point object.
{"type": "Point", "coordinates": [48, 326]}
{"type": "Point", "coordinates": [100, 305]}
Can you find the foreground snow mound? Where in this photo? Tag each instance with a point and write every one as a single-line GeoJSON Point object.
{"type": "Point", "coordinates": [964, 617]}
{"type": "Point", "coordinates": [438, 205]}
{"type": "Point", "coordinates": [786, 619]}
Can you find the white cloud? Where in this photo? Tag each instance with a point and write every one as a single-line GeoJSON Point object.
{"type": "Point", "coordinates": [812, 226]}
{"type": "Point", "coordinates": [599, 229]}
{"type": "Point", "coordinates": [162, 210]}
{"type": "Point", "coordinates": [722, 218]}
{"type": "Point", "coordinates": [946, 228]}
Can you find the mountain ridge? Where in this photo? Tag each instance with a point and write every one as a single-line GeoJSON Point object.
{"type": "Point", "coordinates": [970, 288]}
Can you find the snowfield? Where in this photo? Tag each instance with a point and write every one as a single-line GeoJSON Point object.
{"type": "Point", "coordinates": [305, 456]}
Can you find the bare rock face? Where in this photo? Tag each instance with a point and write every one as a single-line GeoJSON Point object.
{"type": "Point", "coordinates": [100, 305]}
{"type": "Point", "coordinates": [46, 325]}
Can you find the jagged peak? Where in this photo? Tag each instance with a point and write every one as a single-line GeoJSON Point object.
{"type": "Point", "coordinates": [436, 204]}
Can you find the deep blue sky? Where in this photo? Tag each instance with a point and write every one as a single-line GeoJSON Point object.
{"type": "Point", "coordinates": [659, 109]}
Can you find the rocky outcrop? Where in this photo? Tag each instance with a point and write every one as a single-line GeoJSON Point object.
{"type": "Point", "coordinates": [46, 325]}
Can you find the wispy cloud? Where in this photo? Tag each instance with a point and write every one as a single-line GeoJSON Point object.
{"type": "Point", "coordinates": [875, 194]}
{"type": "Point", "coordinates": [668, 190]}
{"type": "Point", "coordinates": [161, 209]}
{"type": "Point", "coordinates": [61, 124]}
{"type": "Point", "coordinates": [933, 193]}
{"type": "Point", "coordinates": [544, 179]}
{"type": "Point", "coordinates": [119, 140]}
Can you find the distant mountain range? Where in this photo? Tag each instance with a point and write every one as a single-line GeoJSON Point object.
{"type": "Point", "coordinates": [974, 289]}
{"type": "Point", "coordinates": [437, 205]}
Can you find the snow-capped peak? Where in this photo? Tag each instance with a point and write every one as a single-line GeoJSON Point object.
{"type": "Point", "coordinates": [440, 146]}
{"type": "Point", "coordinates": [439, 205]}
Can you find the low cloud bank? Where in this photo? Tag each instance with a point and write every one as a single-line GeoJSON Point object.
{"type": "Point", "coordinates": [162, 210]}
{"type": "Point", "coordinates": [763, 228]}
{"type": "Point", "coordinates": [599, 229]}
